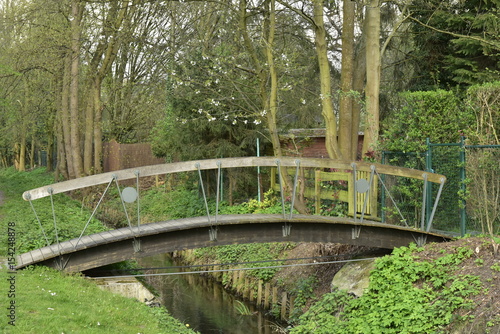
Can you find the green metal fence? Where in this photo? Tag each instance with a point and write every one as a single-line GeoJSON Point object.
{"type": "Point", "coordinates": [465, 206]}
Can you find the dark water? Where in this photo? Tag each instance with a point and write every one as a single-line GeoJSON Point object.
{"type": "Point", "coordinates": [204, 304]}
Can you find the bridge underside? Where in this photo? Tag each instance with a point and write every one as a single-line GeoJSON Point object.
{"type": "Point", "coordinates": [149, 239]}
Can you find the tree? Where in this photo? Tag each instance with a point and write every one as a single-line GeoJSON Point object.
{"type": "Point", "coordinates": [456, 43]}
{"type": "Point", "coordinates": [347, 119]}
{"type": "Point", "coordinates": [77, 10]}
{"type": "Point", "coordinates": [373, 64]}
{"type": "Point", "coordinates": [29, 77]}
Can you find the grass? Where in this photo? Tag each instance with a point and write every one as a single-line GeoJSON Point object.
{"type": "Point", "coordinates": [70, 216]}
{"type": "Point", "coordinates": [48, 301]}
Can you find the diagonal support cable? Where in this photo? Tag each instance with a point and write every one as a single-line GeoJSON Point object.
{"type": "Point", "coordinates": [28, 197]}
{"type": "Point", "coordinates": [370, 187]}
{"type": "Point", "coordinates": [278, 163]}
{"type": "Point", "coordinates": [197, 165]}
{"type": "Point", "coordinates": [403, 219]}
{"type": "Point", "coordinates": [123, 202]}
{"type": "Point", "coordinates": [95, 210]}
{"type": "Point", "coordinates": [213, 231]}
{"type": "Point", "coordinates": [297, 162]}
{"type": "Point", "coordinates": [50, 190]}
{"type": "Point", "coordinates": [436, 201]}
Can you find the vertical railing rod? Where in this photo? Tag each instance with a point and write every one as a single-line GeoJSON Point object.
{"type": "Point", "coordinates": [138, 199]}
{"type": "Point", "coordinates": [50, 190]}
{"type": "Point", "coordinates": [38, 219]}
{"type": "Point", "coordinates": [370, 184]}
{"type": "Point", "coordinates": [218, 190]}
{"type": "Point", "coordinates": [278, 162]}
{"type": "Point", "coordinates": [355, 195]}
{"type": "Point", "coordinates": [424, 203]}
{"type": "Point", "coordinates": [297, 162]}
{"type": "Point", "coordinates": [197, 165]}
{"type": "Point", "coordinates": [123, 202]}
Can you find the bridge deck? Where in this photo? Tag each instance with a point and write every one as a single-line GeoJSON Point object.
{"type": "Point", "coordinates": [118, 245]}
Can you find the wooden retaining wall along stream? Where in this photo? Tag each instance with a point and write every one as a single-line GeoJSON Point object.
{"type": "Point", "coordinates": [263, 295]}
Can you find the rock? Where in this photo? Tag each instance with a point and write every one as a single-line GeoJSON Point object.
{"type": "Point", "coordinates": [354, 277]}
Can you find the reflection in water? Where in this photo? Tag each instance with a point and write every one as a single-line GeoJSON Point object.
{"type": "Point", "coordinates": [203, 304]}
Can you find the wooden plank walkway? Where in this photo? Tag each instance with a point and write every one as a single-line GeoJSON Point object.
{"type": "Point", "coordinates": [164, 236]}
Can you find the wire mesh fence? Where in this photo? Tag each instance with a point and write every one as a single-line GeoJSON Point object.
{"type": "Point", "coordinates": [470, 199]}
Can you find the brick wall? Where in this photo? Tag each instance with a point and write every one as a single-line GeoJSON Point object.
{"type": "Point", "coordinates": [310, 143]}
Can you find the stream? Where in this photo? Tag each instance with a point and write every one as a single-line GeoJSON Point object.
{"type": "Point", "coordinates": [203, 304]}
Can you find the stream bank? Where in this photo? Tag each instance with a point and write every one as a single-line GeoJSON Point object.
{"type": "Point", "coordinates": [127, 287]}
{"type": "Point", "coordinates": [292, 289]}
{"type": "Point", "coordinates": [203, 303]}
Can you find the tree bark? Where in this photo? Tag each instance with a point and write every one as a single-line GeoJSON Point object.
{"type": "Point", "coordinates": [102, 60]}
{"type": "Point", "coordinates": [66, 166]}
{"type": "Point", "coordinates": [346, 82]}
{"type": "Point", "coordinates": [269, 100]}
{"type": "Point", "coordinates": [76, 12]}
{"type": "Point", "coordinates": [358, 86]}
{"type": "Point", "coordinates": [331, 140]}
{"type": "Point", "coordinates": [372, 29]}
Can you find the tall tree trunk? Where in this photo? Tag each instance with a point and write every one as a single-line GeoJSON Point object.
{"type": "Point", "coordinates": [66, 166]}
{"type": "Point", "coordinates": [346, 82]}
{"type": "Point", "coordinates": [358, 86]}
{"type": "Point", "coordinates": [88, 144]}
{"type": "Point", "coordinates": [76, 12]}
{"type": "Point", "coordinates": [61, 164]}
{"type": "Point", "coordinates": [372, 29]}
{"type": "Point", "coordinates": [101, 63]}
{"type": "Point", "coordinates": [22, 153]}
{"type": "Point", "coordinates": [332, 146]}
{"type": "Point", "coordinates": [32, 151]}
{"type": "Point", "coordinates": [50, 152]}
{"type": "Point", "coordinates": [97, 131]}
{"type": "Point", "coordinates": [268, 76]}
{"type": "Point", "coordinates": [272, 108]}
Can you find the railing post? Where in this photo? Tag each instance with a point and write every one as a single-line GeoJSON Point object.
{"type": "Point", "coordinates": [355, 192]}
{"type": "Point", "coordinates": [428, 168]}
{"type": "Point", "coordinates": [463, 212]}
{"type": "Point", "coordinates": [424, 201]}
{"type": "Point", "coordinates": [317, 191]}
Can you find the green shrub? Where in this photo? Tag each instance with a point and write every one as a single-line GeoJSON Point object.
{"type": "Point", "coordinates": [406, 295]}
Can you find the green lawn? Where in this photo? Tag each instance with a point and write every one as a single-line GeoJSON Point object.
{"type": "Point", "coordinates": [41, 300]}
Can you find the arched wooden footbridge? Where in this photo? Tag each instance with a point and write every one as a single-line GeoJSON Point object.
{"type": "Point", "coordinates": [91, 251]}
